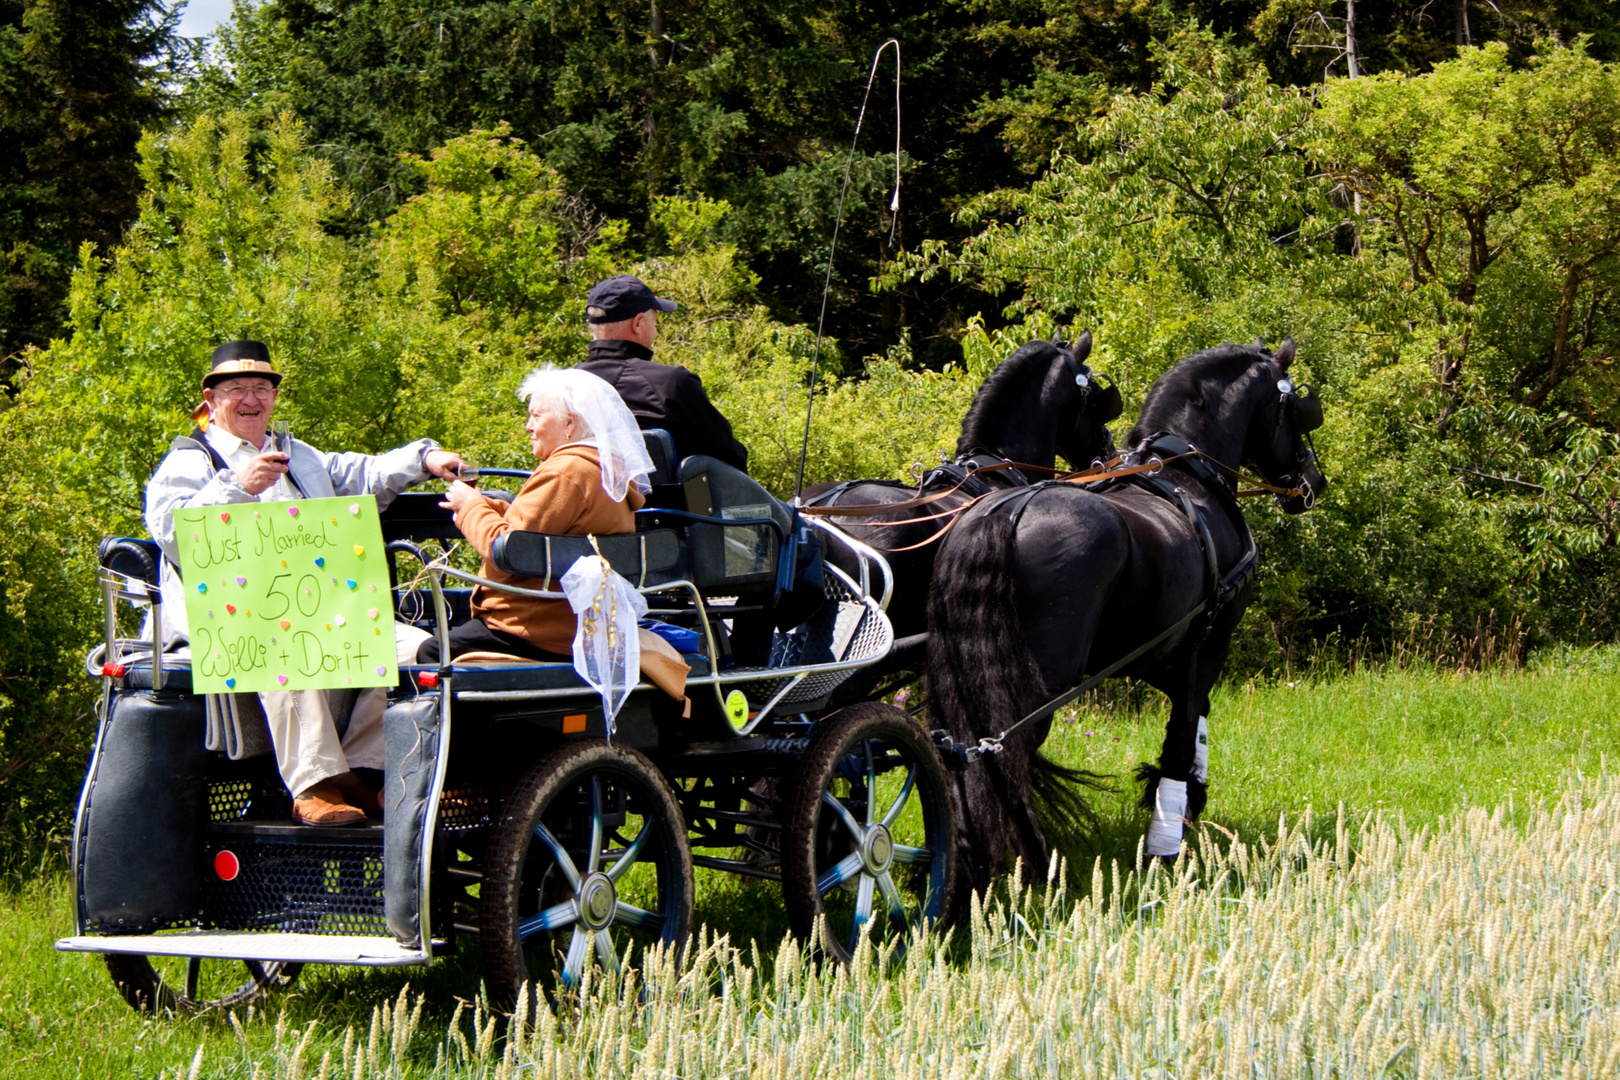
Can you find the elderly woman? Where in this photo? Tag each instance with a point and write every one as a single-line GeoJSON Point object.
{"type": "Point", "coordinates": [593, 470]}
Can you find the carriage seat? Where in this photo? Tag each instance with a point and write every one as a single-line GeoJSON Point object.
{"type": "Point", "coordinates": [661, 448]}
{"type": "Point", "coordinates": [135, 559]}
{"type": "Point", "coordinates": [648, 558]}
{"type": "Point", "coordinates": [743, 556]}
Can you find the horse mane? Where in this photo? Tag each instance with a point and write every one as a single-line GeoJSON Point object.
{"type": "Point", "coordinates": [1172, 392]}
{"type": "Point", "coordinates": [989, 411]}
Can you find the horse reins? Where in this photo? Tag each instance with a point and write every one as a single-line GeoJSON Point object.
{"type": "Point", "coordinates": [1097, 474]}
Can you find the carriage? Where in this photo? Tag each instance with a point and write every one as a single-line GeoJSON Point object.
{"type": "Point", "coordinates": [511, 814]}
{"type": "Point", "coordinates": [510, 811]}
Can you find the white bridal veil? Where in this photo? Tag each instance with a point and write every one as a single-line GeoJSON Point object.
{"type": "Point", "coordinates": [614, 433]}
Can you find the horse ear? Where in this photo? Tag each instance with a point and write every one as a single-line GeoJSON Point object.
{"type": "Point", "coordinates": [1057, 335]}
{"type": "Point", "coordinates": [1082, 347]}
{"type": "Point", "coordinates": [1259, 343]}
{"type": "Point", "coordinates": [1285, 353]}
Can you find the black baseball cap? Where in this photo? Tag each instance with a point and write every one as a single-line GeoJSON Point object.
{"type": "Point", "coordinates": [241, 358]}
{"type": "Point", "coordinates": [620, 298]}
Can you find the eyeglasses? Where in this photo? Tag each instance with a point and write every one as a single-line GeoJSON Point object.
{"type": "Point", "coordinates": [241, 391]}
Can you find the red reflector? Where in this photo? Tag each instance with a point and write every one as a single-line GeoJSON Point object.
{"type": "Point", "coordinates": [227, 866]}
{"type": "Point", "coordinates": [114, 671]}
{"type": "Point", "coordinates": [429, 679]}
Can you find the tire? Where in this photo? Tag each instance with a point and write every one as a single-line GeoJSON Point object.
{"type": "Point", "coordinates": [182, 984]}
{"type": "Point", "coordinates": [845, 853]}
{"type": "Point", "coordinates": [548, 902]}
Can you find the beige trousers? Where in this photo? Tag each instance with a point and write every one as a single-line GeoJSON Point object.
{"type": "Point", "coordinates": [308, 749]}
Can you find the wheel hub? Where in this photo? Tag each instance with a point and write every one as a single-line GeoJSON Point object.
{"type": "Point", "coordinates": [877, 850]}
{"type": "Point", "coordinates": [596, 901]}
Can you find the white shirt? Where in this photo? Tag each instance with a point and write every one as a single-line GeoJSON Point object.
{"type": "Point", "coordinates": [239, 454]}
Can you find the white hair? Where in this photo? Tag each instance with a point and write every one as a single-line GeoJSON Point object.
{"type": "Point", "coordinates": [601, 418]}
{"type": "Point", "coordinates": [545, 389]}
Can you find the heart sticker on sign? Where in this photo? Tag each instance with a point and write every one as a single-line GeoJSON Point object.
{"type": "Point", "coordinates": [241, 581]}
{"type": "Point", "coordinates": [320, 562]}
{"type": "Point", "coordinates": [231, 683]}
{"type": "Point", "coordinates": [293, 510]}
{"type": "Point", "coordinates": [230, 609]}
{"type": "Point", "coordinates": [226, 518]}
{"type": "Point", "coordinates": [358, 550]}
{"type": "Point", "coordinates": [282, 679]}
{"type": "Point", "coordinates": [285, 624]}
{"type": "Point", "coordinates": [354, 508]}
{"type": "Point", "coordinates": [202, 586]}
{"type": "Point", "coordinates": [351, 583]}
{"type": "Point", "coordinates": [371, 613]}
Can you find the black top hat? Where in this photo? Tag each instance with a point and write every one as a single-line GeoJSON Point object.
{"type": "Point", "coordinates": [241, 358]}
{"type": "Point", "coordinates": [620, 298]}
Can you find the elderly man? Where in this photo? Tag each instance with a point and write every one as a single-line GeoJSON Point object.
{"type": "Point", "coordinates": [230, 459]}
{"type": "Point", "coordinates": [623, 316]}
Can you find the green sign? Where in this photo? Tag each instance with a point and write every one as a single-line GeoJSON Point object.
{"type": "Point", "coordinates": [287, 596]}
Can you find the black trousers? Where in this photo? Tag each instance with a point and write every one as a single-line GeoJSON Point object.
{"type": "Point", "coordinates": [474, 636]}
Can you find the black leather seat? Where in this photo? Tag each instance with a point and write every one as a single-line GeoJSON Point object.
{"type": "Point", "coordinates": [739, 556]}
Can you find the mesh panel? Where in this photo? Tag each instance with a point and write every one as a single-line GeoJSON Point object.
{"type": "Point", "coordinates": [464, 808]}
{"type": "Point", "coordinates": [302, 887]}
{"type": "Point", "coordinates": [249, 798]}
{"type": "Point", "coordinates": [870, 640]}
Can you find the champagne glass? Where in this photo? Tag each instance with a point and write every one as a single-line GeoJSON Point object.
{"type": "Point", "coordinates": [281, 437]}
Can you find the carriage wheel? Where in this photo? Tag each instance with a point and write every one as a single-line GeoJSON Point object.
{"type": "Point", "coordinates": [190, 984]}
{"type": "Point", "coordinates": [870, 843]}
{"type": "Point", "coordinates": [590, 851]}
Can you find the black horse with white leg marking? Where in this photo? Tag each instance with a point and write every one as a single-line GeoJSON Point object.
{"type": "Point", "coordinates": [1036, 589]}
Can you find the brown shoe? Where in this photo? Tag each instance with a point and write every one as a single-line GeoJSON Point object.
{"type": "Point", "coordinates": [325, 806]}
{"type": "Point", "coordinates": [357, 793]}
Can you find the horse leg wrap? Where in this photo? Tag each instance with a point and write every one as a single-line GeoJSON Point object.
{"type": "Point", "coordinates": [1169, 812]}
{"type": "Point", "coordinates": [1200, 766]}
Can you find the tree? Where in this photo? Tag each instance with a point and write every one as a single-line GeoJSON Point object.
{"type": "Point", "coordinates": [78, 81]}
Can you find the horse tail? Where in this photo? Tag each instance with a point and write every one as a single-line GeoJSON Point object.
{"type": "Point", "coordinates": [982, 680]}
{"type": "Point", "coordinates": [981, 676]}
{"type": "Point", "coordinates": [1062, 799]}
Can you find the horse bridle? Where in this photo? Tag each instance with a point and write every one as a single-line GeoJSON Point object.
{"type": "Point", "coordinates": [1304, 407]}
{"type": "Point", "coordinates": [1109, 404]}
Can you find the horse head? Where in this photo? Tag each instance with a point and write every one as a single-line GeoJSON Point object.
{"type": "Point", "coordinates": [1238, 405]}
{"type": "Point", "coordinates": [1042, 401]}
{"type": "Point", "coordinates": [1278, 443]}
{"type": "Point", "coordinates": [1083, 433]}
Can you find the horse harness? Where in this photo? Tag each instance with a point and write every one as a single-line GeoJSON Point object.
{"type": "Point", "coordinates": [964, 476]}
{"type": "Point", "coordinates": [1159, 448]}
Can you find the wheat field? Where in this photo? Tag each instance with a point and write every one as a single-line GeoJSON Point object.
{"type": "Point", "coordinates": [1428, 940]}
{"type": "Point", "coordinates": [1479, 948]}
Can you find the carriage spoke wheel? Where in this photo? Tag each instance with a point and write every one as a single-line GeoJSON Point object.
{"type": "Point", "coordinates": [869, 845]}
{"type": "Point", "coordinates": [190, 984]}
{"type": "Point", "coordinates": [589, 857]}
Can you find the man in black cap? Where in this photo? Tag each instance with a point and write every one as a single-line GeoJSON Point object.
{"type": "Point", "coordinates": [230, 459]}
{"type": "Point", "coordinates": [623, 317]}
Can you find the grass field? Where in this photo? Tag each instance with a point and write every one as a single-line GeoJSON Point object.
{"type": "Point", "coordinates": [1458, 919]}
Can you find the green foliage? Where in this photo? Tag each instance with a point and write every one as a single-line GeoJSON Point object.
{"type": "Point", "coordinates": [78, 81]}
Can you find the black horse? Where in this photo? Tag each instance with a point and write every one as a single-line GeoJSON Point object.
{"type": "Point", "coordinates": [1035, 589]}
{"type": "Point", "coordinates": [1042, 401]}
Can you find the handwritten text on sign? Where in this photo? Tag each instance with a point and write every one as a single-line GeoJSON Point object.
{"type": "Point", "coordinates": [287, 596]}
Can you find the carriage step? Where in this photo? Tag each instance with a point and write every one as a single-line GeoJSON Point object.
{"type": "Point", "coordinates": [250, 945]}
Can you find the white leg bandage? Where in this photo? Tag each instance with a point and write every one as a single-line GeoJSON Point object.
{"type": "Point", "coordinates": [1200, 769]}
{"type": "Point", "coordinates": [1169, 810]}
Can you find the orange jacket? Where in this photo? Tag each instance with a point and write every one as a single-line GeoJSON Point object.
{"type": "Point", "coordinates": [563, 496]}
